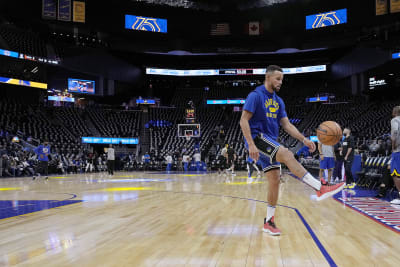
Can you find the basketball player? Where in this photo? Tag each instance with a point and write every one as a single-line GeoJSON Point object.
{"type": "Point", "coordinates": [221, 164]}
{"type": "Point", "coordinates": [224, 151]}
{"type": "Point", "coordinates": [185, 160]}
{"type": "Point", "coordinates": [43, 152]}
{"type": "Point", "coordinates": [327, 161]}
{"type": "Point", "coordinates": [197, 159]}
{"type": "Point", "coordinates": [348, 154]}
{"type": "Point", "coordinates": [262, 114]}
{"type": "Point", "coordinates": [168, 159]}
{"type": "Point", "coordinates": [251, 166]}
{"type": "Point", "coordinates": [230, 160]}
{"type": "Point", "coordinates": [395, 162]}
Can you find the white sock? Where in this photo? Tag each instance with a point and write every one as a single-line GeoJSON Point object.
{"type": "Point", "coordinates": [270, 212]}
{"type": "Point", "coordinates": [311, 181]}
{"type": "Point", "coordinates": [255, 167]}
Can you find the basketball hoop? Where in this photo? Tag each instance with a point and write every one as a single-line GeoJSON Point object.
{"type": "Point", "coordinates": [187, 137]}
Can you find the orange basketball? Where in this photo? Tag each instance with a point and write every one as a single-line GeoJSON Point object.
{"type": "Point", "coordinates": [329, 133]}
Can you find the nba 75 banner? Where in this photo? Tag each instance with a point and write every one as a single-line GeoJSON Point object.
{"type": "Point", "coordinates": [49, 9]}
{"type": "Point", "coordinates": [140, 23]}
{"type": "Point", "coordinates": [64, 10]}
{"type": "Point", "coordinates": [326, 19]}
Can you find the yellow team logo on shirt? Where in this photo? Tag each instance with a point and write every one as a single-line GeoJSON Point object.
{"type": "Point", "coordinates": [272, 108]}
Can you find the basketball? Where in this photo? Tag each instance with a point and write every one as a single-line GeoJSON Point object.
{"type": "Point", "coordinates": [329, 133]}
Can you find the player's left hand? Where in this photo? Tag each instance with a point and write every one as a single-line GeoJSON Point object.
{"type": "Point", "coordinates": [310, 144]}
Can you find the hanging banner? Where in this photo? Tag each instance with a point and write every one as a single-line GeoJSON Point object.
{"type": "Point", "coordinates": [381, 7]}
{"type": "Point", "coordinates": [79, 12]}
{"type": "Point", "coordinates": [49, 9]}
{"type": "Point", "coordinates": [64, 10]}
{"type": "Point", "coordinates": [394, 6]}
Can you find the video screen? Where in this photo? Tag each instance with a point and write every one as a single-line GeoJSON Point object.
{"type": "Point", "coordinates": [145, 101]}
{"type": "Point", "coordinates": [81, 86]}
{"type": "Point", "coordinates": [140, 23]}
{"type": "Point", "coordinates": [326, 19]}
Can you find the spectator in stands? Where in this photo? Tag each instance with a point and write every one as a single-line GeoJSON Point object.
{"type": "Point", "coordinates": [168, 159]}
{"type": "Point", "coordinates": [110, 159]}
{"type": "Point", "coordinates": [348, 157]}
{"type": "Point", "coordinates": [373, 148]}
{"type": "Point", "coordinates": [96, 161]}
{"type": "Point", "coordinates": [6, 165]}
{"type": "Point", "coordinates": [303, 152]}
{"type": "Point", "coordinates": [27, 168]}
{"type": "Point", "coordinates": [60, 166]}
{"type": "Point", "coordinates": [386, 183]}
{"type": "Point", "coordinates": [382, 148]}
{"type": "Point", "coordinates": [388, 146]}
{"type": "Point", "coordinates": [363, 147]}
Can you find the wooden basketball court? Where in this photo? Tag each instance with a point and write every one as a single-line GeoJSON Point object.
{"type": "Point", "coordinates": [159, 219]}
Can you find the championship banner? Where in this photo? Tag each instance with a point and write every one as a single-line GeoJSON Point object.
{"type": "Point", "coordinates": [394, 6]}
{"type": "Point", "coordinates": [79, 12]}
{"type": "Point", "coordinates": [64, 10]}
{"type": "Point", "coordinates": [49, 9]}
{"type": "Point", "coordinates": [381, 7]}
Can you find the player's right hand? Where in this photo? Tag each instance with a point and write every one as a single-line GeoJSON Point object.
{"type": "Point", "coordinates": [253, 151]}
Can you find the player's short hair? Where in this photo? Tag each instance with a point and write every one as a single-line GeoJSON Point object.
{"type": "Point", "coordinates": [396, 110]}
{"type": "Point", "coordinates": [272, 68]}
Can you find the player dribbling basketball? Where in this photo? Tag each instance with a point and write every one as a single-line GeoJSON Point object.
{"type": "Point", "coordinates": [262, 114]}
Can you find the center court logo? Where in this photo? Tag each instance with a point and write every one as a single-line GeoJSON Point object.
{"type": "Point", "coordinates": [272, 108]}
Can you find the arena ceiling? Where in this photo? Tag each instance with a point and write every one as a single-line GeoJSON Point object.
{"type": "Point", "coordinates": [212, 5]}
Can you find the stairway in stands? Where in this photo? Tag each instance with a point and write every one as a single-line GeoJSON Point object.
{"type": "Point", "coordinates": [91, 127]}
{"type": "Point", "coordinates": [144, 140]}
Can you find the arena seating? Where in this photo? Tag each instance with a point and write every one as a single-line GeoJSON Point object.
{"type": "Point", "coordinates": [115, 123]}
{"type": "Point", "coordinates": [23, 41]}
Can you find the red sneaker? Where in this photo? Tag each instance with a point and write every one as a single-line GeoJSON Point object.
{"type": "Point", "coordinates": [270, 227]}
{"type": "Point", "coordinates": [323, 182]}
{"type": "Point", "coordinates": [329, 190]}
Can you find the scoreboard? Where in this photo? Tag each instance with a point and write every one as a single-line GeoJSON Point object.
{"type": "Point", "coordinates": [231, 72]}
{"type": "Point", "coordinates": [190, 115]}
{"type": "Point", "coordinates": [241, 71]}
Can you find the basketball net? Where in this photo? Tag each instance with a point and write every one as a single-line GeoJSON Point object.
{"type": "Point", "coordinates": [187, 137]}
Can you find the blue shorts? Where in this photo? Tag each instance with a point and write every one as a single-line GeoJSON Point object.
{"type": "Point", "coordinates": [327, 163]}
{"type": "Point", "coordinates": [395, 164]}
{"type": "Point", "coordinates": [268, 148]}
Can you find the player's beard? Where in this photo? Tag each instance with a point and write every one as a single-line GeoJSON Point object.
{"type": "Point", "coordinates": [276, 89]}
